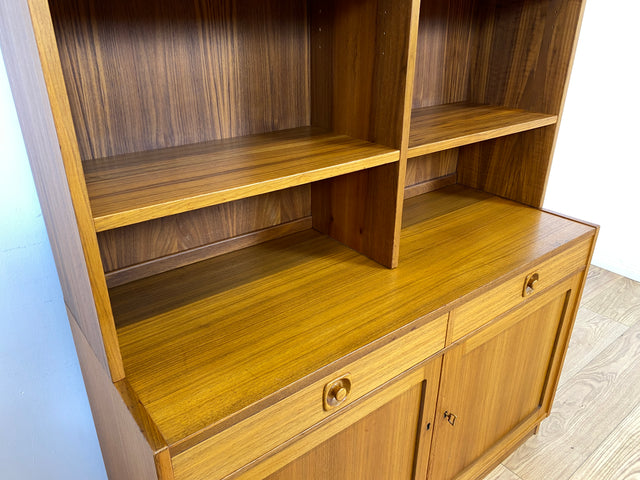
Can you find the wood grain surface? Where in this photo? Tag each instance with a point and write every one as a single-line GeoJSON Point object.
{"type": "Point", "coordinates": [509, 294]}
{"type": "Point", "coordinates": [426, 375]}
{"type": "Point", "coordinates": [620, 301]}
{"type": "Point", "coordinates": [453, 125]}
{"type": "Point", "coordinates": [146, 241]}
{"type": "Point", "coordinates": [126, 450]}
{"type": "Point", "coordinates": [204, 252]}
{"type": "Point", "coordinates": [381, 445]}
{"type": "Point", "coordinates": [231, 448]}
{"type": "Point", "coordinates": [514, 167]}
{"type": "Point", "coordinates": [304, 301]}
{"type": "Point", "coordinates": [523, 52]}
{"type": "Point", "coordinates": [447, 33]}
{"type": "Point", "coordinates": [521, 59]}
{"type": "Point", "coordinates": [597, 280]}
{"type": "Point", "coordinates": [158, 74]}
{"type": "Point", "coordinates": [183, 130]}
{"type": "Point", "coordinates": [501, 351]}
{"type": "Point", "coordinates": [591, 335]}
{"type": "Point", "coordinates": [360, 83]}
{"type": "Point", "coordinates": [617, 457]}
{"type": "Point", "coordinates": [134, 188]}
{"type": "Point", "coordinates": [359, 67]}
{"type": "Point", "coordinates": [429, 167]}
{"type": "Point", "coordinates": [33, 67]}
{"type": "Point", "coordinates": [502, 473]}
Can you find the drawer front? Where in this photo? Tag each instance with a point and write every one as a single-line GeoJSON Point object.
{"type": "Point", "coordinates": [479, 311]}
{"type": "Point", "coordinates": [231, 449]}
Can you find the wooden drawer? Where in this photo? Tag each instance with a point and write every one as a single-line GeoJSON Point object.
{"type": "Point", "coordinates": [507, 295]}
{"type": "Point", "coordinates": [255, 436]}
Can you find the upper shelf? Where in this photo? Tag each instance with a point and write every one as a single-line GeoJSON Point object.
{"type": "Point", "coordinates": [456, 124]}
{"type": "Point", "coordinates": [132, 188]}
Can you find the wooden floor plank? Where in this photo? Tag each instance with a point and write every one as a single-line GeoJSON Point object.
{"type": "Point", "coordinates": [588, 408]}
{"type": "Point", "coordinates": [597, 279]}
{"type": "Point", "coordinates": [592, 333]}
{"type": "Point", "coordinates": [618, 458]}
{"type": "Point", "coordinates": [502, 473]}
{"type": "Point", "coordinates": [618, 300]}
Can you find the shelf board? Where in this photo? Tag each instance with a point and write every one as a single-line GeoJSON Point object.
{"type": "Point", "coordinates": [203, 343]}
{"type": "Point", "coordinates": [132, 188]}
{"type": "Point", "coordinates": [442, 127]}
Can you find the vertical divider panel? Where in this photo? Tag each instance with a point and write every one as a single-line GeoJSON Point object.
{"type": "Point", "coordinates": [362, 62]}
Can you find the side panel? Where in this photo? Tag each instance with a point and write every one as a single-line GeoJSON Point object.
{"type": "Point", "coordinates": [126, 453]}
{"type": "Point", "coordinates": [30, 54]}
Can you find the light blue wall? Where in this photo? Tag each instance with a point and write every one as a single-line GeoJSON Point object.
{"type": "Point", "coordinates": [46, 429]}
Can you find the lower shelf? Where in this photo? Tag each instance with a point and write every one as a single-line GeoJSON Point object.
{"type": "Point", "coordinates": [207, 345]}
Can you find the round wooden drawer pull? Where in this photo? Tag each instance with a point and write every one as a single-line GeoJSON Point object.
{"type": "Point", "coordinates": [336, 392]}
{"type": "Point", "coordinates": [530, 284]}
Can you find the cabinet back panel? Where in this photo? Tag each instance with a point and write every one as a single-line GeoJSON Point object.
{"type": "Point", "coordinates": [446, 34]}
{"type": "Point", "coordinates": [524, 52]}
{"type": "Point", "coordinates": [359, 57]}
{"type": "Point", "coordinates": [515, 167]}
{"type": "Point", "coordinates": [500, 52]}
{"type": "Point", "coordinates": [157, 73]}
{"type": "Point", "coordinates": [430, 172]}
{"type": "Point", "coordinates": [142, 242]}
{"type": "Point", "coordinates": [432, 166]}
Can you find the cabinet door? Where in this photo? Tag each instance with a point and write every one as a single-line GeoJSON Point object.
{"type": "Point", "coordinates": [498, 384]}
{"type": "Point", "coordinates": [383, 436]}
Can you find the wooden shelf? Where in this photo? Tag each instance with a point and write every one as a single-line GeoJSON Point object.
{"type": "Point", "coordinates": [204, 342]}
{"type": "Point", "coordinates": [442, 127]}
{"type": "Point", "coordinates": [128, 189]}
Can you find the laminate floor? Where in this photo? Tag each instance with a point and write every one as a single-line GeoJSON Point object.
{"type": "Point", "coordinates": [593, 432]}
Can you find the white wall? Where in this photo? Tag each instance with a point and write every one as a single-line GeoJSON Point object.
{"type": "Point", "coordinates": [46, 429]}
{"type": "Point", "coordinates": [596, 170]}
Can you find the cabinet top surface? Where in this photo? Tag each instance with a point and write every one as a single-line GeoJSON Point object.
{"type": "Point", "coordinates": [206, 341]}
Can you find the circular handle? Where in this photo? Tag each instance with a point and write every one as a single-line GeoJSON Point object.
{"type": "Point", "coordinates": [340, 394]}
{"type": "Point", "coordinates": [530, 284]}
{"type": "Point", "coordinates": [336, 392]}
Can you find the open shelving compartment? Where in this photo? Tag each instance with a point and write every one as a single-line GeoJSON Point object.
{"type": "Point", "coordinates": [490, 81]}
{"type": "Point", "coordinates": [205, 112]}
{"type": "Point", "coordinates": [233, 151]}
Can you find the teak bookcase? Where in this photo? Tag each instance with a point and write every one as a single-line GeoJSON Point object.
{"type": "Point", "coordinates": [301, 239]}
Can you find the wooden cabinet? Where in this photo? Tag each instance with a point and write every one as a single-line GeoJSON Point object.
{"type": "Point", "coordinates": [386, 435]}
{"type": "Point", "coordinates": [498, 384]}
{"type": "Point", "coordinates": [282, 227]}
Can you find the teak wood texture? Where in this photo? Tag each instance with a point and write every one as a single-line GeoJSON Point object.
{"type": "Point", "coordinates": [251, 200]}
{"type": "Point", "coordinates": [443, 127]}
{"type": "Point", "coordinates": [137, 187]}
{"type": "Point", "coordinates": [354, 302]}
{"type": "Point", "coordinates": [30, 55]}
{"type": "Point", "coordinates": [503, 351]}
